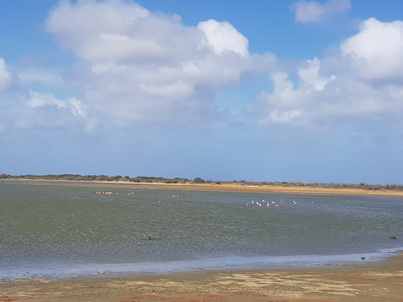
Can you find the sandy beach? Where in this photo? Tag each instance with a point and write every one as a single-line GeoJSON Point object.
{"type": "Point", "coordinates": [236, 187]}
{"type": "Point", "coordinates": [268, 189]}
{"type": "Point", "coordinates": [381, 281]}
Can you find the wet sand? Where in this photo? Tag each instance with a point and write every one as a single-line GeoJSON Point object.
{"type": "Point", "coordinates": [381, 281]}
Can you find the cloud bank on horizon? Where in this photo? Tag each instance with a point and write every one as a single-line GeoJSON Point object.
{"type": "Point", "coordinates": [139, 70]}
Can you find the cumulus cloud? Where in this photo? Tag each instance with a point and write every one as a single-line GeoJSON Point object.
{"type": "Point", "coordinates": [5, 75]}
{"type": "Point", "coordinates": [41, 110]}
{"type": "Point", "coordinates": [136, 66]}
{"type": "Point", "coordinates": [91, 39]}
{"type": "Point", "coordinates": [222, 37]}
{"type": "Point", "coordinates": [291, 103]}
{"type": "Point", "coordinates": [132, 68]}
{"type": "Point", "coordinates": [340, 102]}
{"type": "Point", "coordinates": [366, 87]}
{"type": "Point", "coordinates": [310, 77]}
{"type": "Point", "coordinates": [314, 11]}
{"type": "Point", "coordinates": [72, 110]}
{"type": "Point", "coordinates": [376, 51]}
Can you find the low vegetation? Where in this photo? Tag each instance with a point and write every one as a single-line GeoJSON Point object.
{"type": "Point", "coordinates": [198, 180]}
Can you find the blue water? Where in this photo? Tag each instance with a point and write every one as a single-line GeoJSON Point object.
{"type": "Point", "coordinates": [65, 231]}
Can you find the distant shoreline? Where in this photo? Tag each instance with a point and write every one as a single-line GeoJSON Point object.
{"type": "Point", "coordinates": [225, 187]}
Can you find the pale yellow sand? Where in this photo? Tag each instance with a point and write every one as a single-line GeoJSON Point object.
{"type": "Point", "coordinates": [368, 282]}
{"type": "Point", "coordinates": [219, 187]}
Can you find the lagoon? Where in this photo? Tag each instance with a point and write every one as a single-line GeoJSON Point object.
{"type": "Point", "coordinates": [66, 231]}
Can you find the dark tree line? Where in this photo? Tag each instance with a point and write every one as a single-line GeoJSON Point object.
{"type": "Point", "coordinates": [198, 180]}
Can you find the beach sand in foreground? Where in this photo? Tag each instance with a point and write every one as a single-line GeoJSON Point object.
{"type": "Point", "coordinates": [381, 281]}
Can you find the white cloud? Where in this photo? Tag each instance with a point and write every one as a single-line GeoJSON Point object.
{"type": "Point", "coordinates": [177, 90]}
{"type": "Point", "coordinates": [376, 51]}
{"type": "Point", "coordinates": [362, 85]}
{"type": "Point", "coordinates": [36, 100]}
{"type": "Point", "coordinates": [310, 77]}
{"type": "Point", "coordinates": [5, 75]}
{"type": "Point", "coordinates": [284, 91]}
{"type": "Point", "coordinates": [306, 12]}
{"type": "Point", "coordinates": [314, 11]}
{"type": "Point", "coordinates": [222, 37]}
{"type": "Point", "coordinates": [281, 117]}
{"type": "Point", "coordinates": [291, 103]}
{"type": "Point", "coordinates": [46, 111]}
{"type": "Point", "coordinates": [136, 66]}
{"type": "Point", "coordinates": [85, 16]}
{"type": "Point", "coordinates": [309, 101]}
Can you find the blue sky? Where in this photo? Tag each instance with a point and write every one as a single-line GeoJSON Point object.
{"type": "Point", "coordinates": [262, 91]}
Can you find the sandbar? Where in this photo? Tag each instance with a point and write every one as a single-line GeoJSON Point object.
{"type": "Point", "coordinates": [225, 187]}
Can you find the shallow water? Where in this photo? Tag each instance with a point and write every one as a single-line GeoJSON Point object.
{"type": "Point", "coordinates": [63, 230]}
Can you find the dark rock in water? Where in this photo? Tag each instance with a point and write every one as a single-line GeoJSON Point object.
{"type": "Point", "coordinates": [362, 258]}
{"type": "Point", "coordinates": [392, 237]}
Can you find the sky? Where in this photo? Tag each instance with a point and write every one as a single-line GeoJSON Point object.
{"type": "Point", "coordinates": [261, 90]}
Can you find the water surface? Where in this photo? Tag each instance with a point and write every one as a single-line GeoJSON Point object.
{"type": "Point", "coordinates": [53, 230]}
